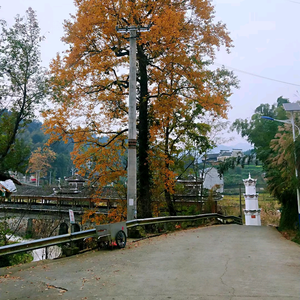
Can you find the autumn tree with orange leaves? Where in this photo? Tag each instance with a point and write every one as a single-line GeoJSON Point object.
{"type": "Point", "coordinates": [176, 86]}
{"type": "Point", "coordinates": [40, 160]}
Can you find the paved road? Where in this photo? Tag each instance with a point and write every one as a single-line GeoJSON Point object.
{"type": "Point", "coordinates": [214, 263]}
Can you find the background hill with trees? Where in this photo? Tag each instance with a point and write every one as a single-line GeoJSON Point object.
{"type": "Point", "coordinates": [61, 166]}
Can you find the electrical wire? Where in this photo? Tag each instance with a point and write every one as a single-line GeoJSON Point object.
{"type": "Point", "coordinates": [293, 1]}
{"type": "Point", "coordinates": [256, 75]}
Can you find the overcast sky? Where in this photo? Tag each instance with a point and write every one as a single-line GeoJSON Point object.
{"type": "Point", "coordinates": [265, 35]}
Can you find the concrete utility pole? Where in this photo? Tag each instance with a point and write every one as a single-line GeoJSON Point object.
{"type": "Point", "coordinates": [131, 169]}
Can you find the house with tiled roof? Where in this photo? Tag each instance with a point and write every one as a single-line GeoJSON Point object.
{"type": "Point", "coordinates": [225, 154]}
{"type": "Point", "coordinates": [210, 158]}
{"type": "Point", "coordinates": [215, 158]}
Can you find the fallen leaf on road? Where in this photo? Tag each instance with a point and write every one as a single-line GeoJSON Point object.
{"type": "Point", "coordinates": [7, 276]}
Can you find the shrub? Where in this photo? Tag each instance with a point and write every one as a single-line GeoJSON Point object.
{"type": "Point", "coordinates": [15, 259]}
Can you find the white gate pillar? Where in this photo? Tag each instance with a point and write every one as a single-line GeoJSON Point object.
{"type": "Point", "coordinates": [251, 211]}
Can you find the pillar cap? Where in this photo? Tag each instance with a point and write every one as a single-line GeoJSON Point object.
{"type": "Point", "coordinates": [249, 180]}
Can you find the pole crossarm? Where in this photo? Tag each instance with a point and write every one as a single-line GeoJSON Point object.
{"type": "Point", "coordinates": [132, 28]}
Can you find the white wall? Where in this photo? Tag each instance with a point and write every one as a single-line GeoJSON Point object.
{"type": "Point", "coordinates": [211, 178]}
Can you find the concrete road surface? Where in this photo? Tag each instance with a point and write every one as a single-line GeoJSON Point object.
{"type": "Point", "coordinates": [229, 262]}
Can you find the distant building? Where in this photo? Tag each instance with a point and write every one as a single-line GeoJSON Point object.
{"type": "Point", "coordinates": [223, 155]}
{"type": "Point", "coordinates": [215, 158]}
{"type": "Point", "coordinates": [237, 152]}
{"type": "Point", "coordinates": [210, 158]}
{"type": "Point", "coordinates": [72, 185]}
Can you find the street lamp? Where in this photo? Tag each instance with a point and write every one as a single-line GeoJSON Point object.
{"type": "Point", "coordinates": [291, 107]}
{"type": "Point", "coordinates": [283, 121]}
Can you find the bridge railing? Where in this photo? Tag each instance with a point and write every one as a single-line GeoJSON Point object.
{"type": "Point", "coordinates": [66, 238]}
{"type": "Point", "coordinates": [57, 201]}
{"type": "Point", "coordinates": [34, 202]}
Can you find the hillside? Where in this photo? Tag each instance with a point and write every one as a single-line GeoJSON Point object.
{"type": "Point", "coordinates": [234, 178]}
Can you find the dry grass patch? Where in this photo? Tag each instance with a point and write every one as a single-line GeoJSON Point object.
{"type": "Point", "coordinates": [270, 214]}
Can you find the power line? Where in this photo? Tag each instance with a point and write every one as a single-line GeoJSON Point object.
{"type": "Point", "coordinates": [293, 1]}
{"type": "Point", "coordinates": [256, 75]}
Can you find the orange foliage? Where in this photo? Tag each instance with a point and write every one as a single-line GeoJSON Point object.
{"type": "Point", "coordinates": [114, 215]}
{"type": "Point", "coordinates": [40, 160]}
{"type": "Point", "coordinates": [157, 207]}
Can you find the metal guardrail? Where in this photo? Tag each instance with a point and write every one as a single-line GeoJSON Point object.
{"type": "Point", "coordinates": [152, 221]}
{"type": "Point", "coordinates": [46, 242]}
{"type": "Point", "coordinates": [66, 238]}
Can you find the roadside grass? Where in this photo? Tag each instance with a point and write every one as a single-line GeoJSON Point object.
{"type": "Point", "coordinates": [15, 259]}
{"type": "Point", "coordinates": [270, 214]}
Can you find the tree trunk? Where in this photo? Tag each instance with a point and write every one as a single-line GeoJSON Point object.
{"type": "Point", "coordinates": [144, 176]}
{"type": "Point", "coordinates": [168, 199]}
{"type": "Point", "coordinates": [170, 204]}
